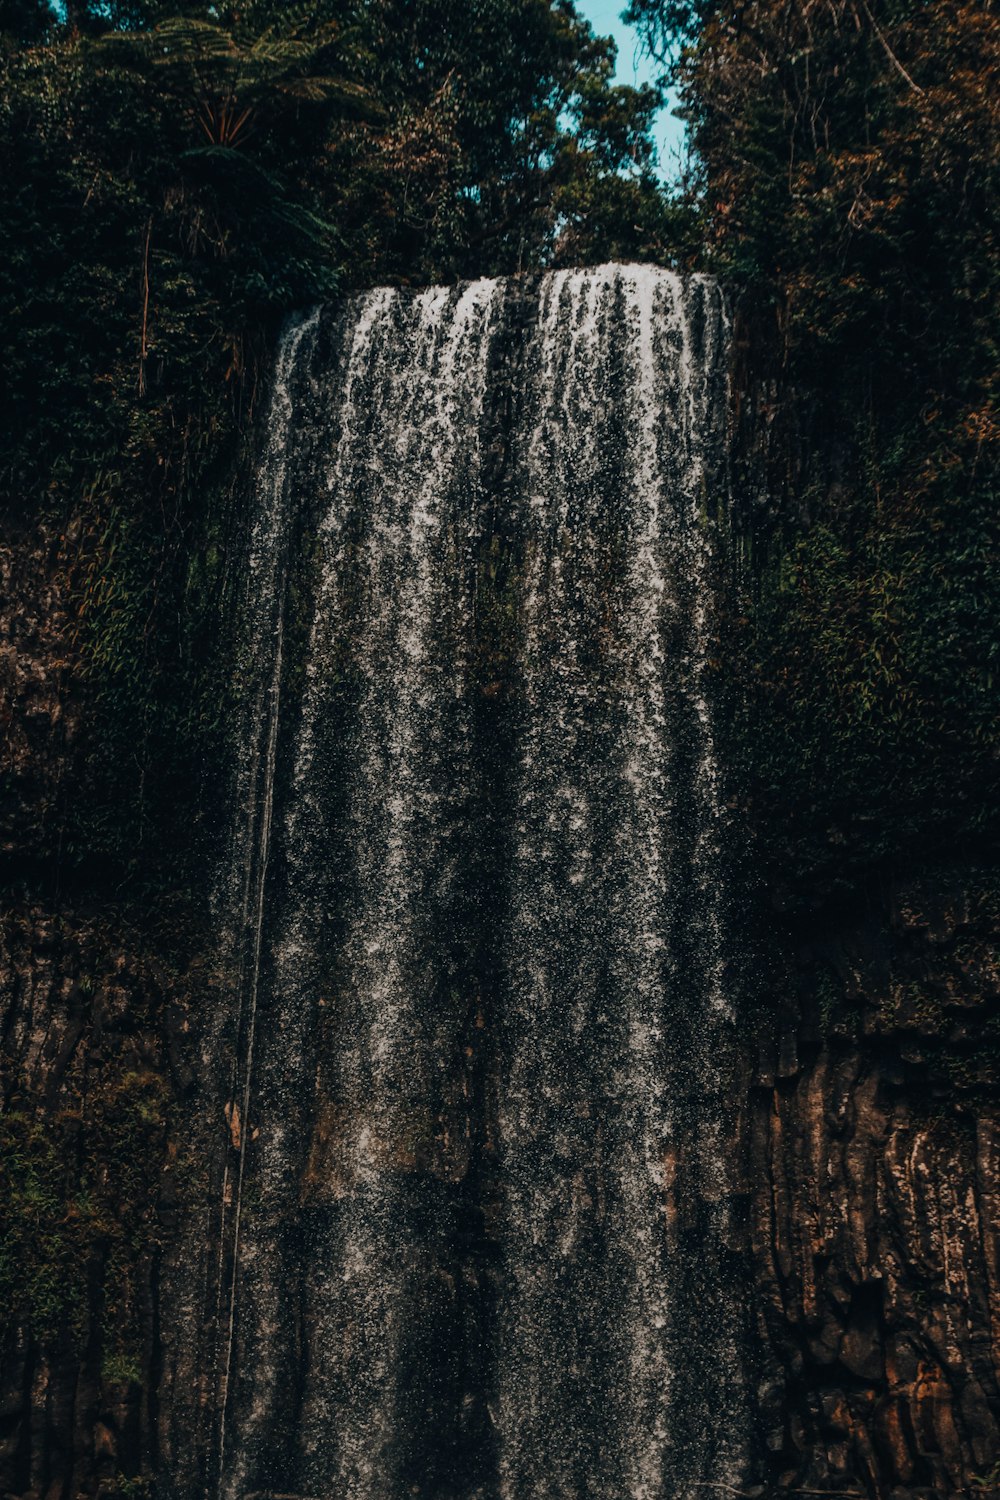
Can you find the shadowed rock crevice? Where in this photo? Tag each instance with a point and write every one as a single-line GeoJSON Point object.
{"type": "Point", "coordinates": [874, 1150]}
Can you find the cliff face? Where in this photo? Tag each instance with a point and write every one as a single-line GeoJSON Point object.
{"type": "Point", "coordinates": [874, 1150]}
{"type": "Point", "coordinates": [90, 1066]}
{"type": "Point", "coordinates": [103, 1176]}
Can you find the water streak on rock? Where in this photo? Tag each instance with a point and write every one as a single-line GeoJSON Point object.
{"type": "Point", "coordinates": [482, 1199]}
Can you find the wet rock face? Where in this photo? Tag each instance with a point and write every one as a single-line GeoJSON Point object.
{"type": "Point", "coordinates": [86, 1083]}
{"type": "Point", "coordinates": [106, 1102]}
{"type": "Point", "coordinates": [104, 1170]}
{"type": "Point", "coordinates": [100, 1103]}
{"type": "Point", "coordinates": [877, 1204]}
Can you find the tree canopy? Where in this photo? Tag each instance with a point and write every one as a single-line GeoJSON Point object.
{"type": "Point", "coordinates": [848, 153]}
{"type": "Point", "coordinates": [172, 179]}
{"type": "Point", "coordinates": [175, 178]}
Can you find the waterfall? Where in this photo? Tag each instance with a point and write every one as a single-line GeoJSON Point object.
{"type": "Point", "coordinates": [480, 1217]}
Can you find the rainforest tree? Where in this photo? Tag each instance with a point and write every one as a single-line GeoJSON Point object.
{"type": "Point", "coordinates": [849, 163]}
{"type": "Point", "coordinates": [174, 180]}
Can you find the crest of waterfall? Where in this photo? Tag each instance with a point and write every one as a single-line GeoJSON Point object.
{"type": "Point", "coordinates": [477, 1229]}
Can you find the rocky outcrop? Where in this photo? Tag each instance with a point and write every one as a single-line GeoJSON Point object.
{"type": "Point", "coordinates": [874, 1148]}
{"type": "Point", "coordinates": [94, 1162]}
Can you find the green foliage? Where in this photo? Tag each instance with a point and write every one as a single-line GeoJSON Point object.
{"type": "Point", "coordinates": [134, 1487]}
{"type": "Point", "coordinates": [24, 21]}
{"type": "Point", "coordinates": [878, 653]}
{"type": "Point", "coordinates": [849, 158]}
{"type": "Point", "coordinates": [78, 1188]}
{"type": "Point", "coordinates": [503, 134]}
{"type": "Point", "coordinates": [42, 1244]}
{"type": "Point", "coordinates": [174, 179]}
{"type": "Point", "coordinates": [121, 1369]}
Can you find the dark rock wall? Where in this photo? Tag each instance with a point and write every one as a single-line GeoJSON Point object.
{"type": "Point", "coordinates": [94, 1166]}
{"type": "Point", "coordinates": [874, 1150]}
{"type": "Point", "coordinates": [103, 1123]}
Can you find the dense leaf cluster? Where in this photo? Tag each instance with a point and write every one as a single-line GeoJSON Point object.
{"type": "Point", "coordinates": [849, 153]}
{"type": "Point", "coordinates": [174, 179]}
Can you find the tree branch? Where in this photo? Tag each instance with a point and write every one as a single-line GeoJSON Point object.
{"type": "Point", "coordinates": [913, 85]}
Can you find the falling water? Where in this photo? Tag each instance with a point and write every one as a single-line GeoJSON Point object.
{"type": "Point", "coordinates": [479, 1210]}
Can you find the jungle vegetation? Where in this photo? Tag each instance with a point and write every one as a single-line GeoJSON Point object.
{"type": "Point", "coordinates": [848, 155]}
{"type": "Point", "coordinates": [174, 178]}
